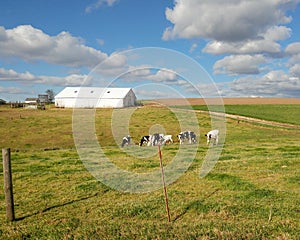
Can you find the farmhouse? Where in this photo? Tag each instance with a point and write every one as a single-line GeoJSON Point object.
{"type": "Point", "coordinates": [94, 97]}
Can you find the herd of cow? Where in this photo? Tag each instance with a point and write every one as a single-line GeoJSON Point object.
{"type": "Point", "coordinates": [161, 139]}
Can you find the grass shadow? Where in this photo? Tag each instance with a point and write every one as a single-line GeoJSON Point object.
{"type": "Point", "coordinates": [198, 205]}
{"type": "Point", "coordinates": [57, 206]}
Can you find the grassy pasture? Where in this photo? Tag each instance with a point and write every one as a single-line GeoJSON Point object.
{"type": "Point", "coordinates": [253, 192]}
{"type": "Point", "coordinates": [285, 113]}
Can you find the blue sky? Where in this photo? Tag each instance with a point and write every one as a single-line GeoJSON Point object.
{"type": "Point", "coordinates": [243, 48]}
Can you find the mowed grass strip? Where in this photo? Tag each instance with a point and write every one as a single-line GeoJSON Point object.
{"type": "Point", "coordinates": [252, 192]}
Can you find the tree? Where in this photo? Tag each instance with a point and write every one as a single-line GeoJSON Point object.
{"type": "Point", "coordinates": [50, 94]}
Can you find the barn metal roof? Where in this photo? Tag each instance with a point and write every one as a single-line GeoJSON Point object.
{"type": "Point", "coordinates": [93, 92]}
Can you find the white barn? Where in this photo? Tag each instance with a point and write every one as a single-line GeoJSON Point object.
{"type": "Point", "coordinates": [95, 97]}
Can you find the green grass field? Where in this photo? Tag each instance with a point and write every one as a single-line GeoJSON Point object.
{"type": "Point", "coordinates": [253, 192]}
{"type": "Point", "coordinates": [280, 113]}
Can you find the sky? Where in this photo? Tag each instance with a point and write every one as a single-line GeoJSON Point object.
{"type": "Point", "coordinates": [170, 48]}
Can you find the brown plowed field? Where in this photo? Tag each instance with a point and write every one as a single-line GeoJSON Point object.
{"type": "Point", "coordinates": [229, 101]}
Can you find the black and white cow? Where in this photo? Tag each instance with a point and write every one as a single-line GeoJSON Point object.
{"type": "Point", "coordinates": [187, 136]}
{"type": "Point", "coordinates": [213, 137]}
{"type": "Point", "coordinates": [155, 139]}
{"type": "Point", "coordinates": [126, 141]}
{"type": "Point", "coordinates": [144, 139]}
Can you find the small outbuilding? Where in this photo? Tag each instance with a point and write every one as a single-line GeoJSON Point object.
{"type": "Point", "coordinates": [2, 102]}
{"type": "Point", "coordinates": [95, 97]}
{"type": "Point", "coordinates": [31, 103]}
{"type": "Point", "coordinates": [43, 98]}
{"type": "Point", "coordinates": [34, 103]}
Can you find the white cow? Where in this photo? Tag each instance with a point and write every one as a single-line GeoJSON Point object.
{"type": "Point", "coordinates": [167, 138]}
{"type": "Point", "coordinates": [213, 137]}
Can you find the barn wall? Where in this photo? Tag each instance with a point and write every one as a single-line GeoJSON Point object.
{"type": "Point", "coordinates": [73, 102]}
{"type": "Point", "coordinates": [129, 100]}
{"type": "Point", "coordinates": [110, 103]}
{"type": "Point", "coordinates": [112, 100]}
{"type": "Point", "coordinates": [65, 102]}
{"type": "Point", "coordinates": [88, 103]}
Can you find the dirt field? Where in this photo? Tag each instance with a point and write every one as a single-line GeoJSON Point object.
{"type": "Point", "coordinates": [230, 101]}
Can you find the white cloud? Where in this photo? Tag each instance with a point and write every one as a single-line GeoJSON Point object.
{"type": "Point", "coordinates": [250, 33]}
{"type": "Point", "coordinates": [295, 70]}
{"type": "Point", "coordinates": [293, 51]}
{"type": "Point", "coordinates": [12, 90]}
{"type": "Point", "coordinates": [29, 43]}
{"type": "Point", "coordinates": [239, 64]}
{"type": "Point", "coordinates": [163, 75]}
{"type": "Point", "coordinates": [293, 48]}
{"type": "Point", "coordinates": [206, 90]}
{"type": "Point", "coordinates": [273, 84]}
{"type": "Point", "coordinates": [229, 21]}
{"type": "Point", "coordinates": [277, 33]}
{"type": "Point", "coordinates": [246, 47]}
{"type": "Point", "coordinates": [234, 26]}
{"type": "Point", "coordinates": [3, 35]}
{"type": "Point", "coordinates": [10, 75]}
{"type": "Point", "coordinates": [116, 64]}
{"type": "Point", "coordinates": [137, 73]}
{"type": "Point", "coordinates": [98, 4]}
{"type": "Point", "coordinates": [265, 42]}
{"type": "Point", "coordinates": [147, 73]}
{"type": "Point", "coordinates": [13, 75]}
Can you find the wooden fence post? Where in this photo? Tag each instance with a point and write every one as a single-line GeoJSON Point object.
{"type": "Point", "coordinates": [164, 183]}
{"type": "Point", "coordinates": [8, 186]}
